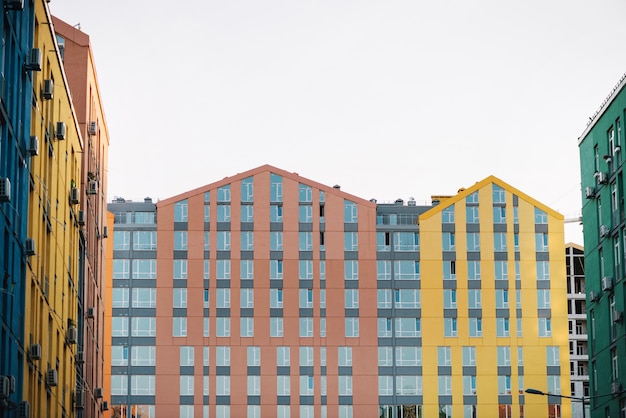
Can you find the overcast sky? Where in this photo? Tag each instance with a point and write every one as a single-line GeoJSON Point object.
{"type": "Point", "coordinates": [389, 99]}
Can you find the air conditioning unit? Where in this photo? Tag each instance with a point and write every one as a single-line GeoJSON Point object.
{"type": "Point", "coordinates": [618, 316]}
{"type": "Point", "coordinates": [105, 406]}
{"type": "Point", "coordinates": [602, 177]}
{"type": "Point", "coordinates": [80, 357]}
{"type": "Point", "coordinates": [91, 312]}
{"type": "Point", "coordinates": [11, 384]}
{"type": "Point", "coordinates": [34, 61]}
{"type": "Point", "coordinates": [5, 387]}
{"type": "Point", "coordinates": [604, 230]}
{"type": "Point", "coordinates": [590, 193]}
{"type": "Point", "coordinates": [48, 89]}
{"type": "Point", "coordinates": [29, 247]}
{"type": "Point", "coordinates": [615, 387]}
{"type": "Point", "coordinates": [74, 196]}
{"type": "Point", "coordinates": [93, 187]}
{"type": "Point", "coordinates": [52, 377]}
{"type": "Point", "coordinates": [35, 352]}
{"type": "Point", "coordinates": [72, 335]}
{"type": "Point", "coordinates": [33, 145]}
{"type": "Point", "coordinates": [607, 284]}
{"type": "Point", "coordinates": [79, 398]}
{"type": "Point", "coordinates": [5, 189]}
{"type": "Point", "coordinates": [81, 217]}
{"type": "Point", "coordinates": [105, 232]}
{"type": "Point", "coordinates": [93, 128]}
{"type": "Point", "coordinates": [97, 393]}
{"type": "Point", "coordinates": [23, 410]}
{"type": "Point", "coordinates": [61, 130]}
{"type": "Point", "coordinates": [593, 296]}
{"type": "Point", "coordinates": [14, 4]}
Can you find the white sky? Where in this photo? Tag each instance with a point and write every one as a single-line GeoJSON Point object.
{"type": "Point", "coordinates": [389, 99]}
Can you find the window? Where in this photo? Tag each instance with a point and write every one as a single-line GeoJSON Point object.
{"type": "Point", "coordinates": [499, 195]}
{"type": "Point", "coordinates": [306, 327]}
{"type": "Point", "coordinates": [499, 215]}
{"type": "Point", "coordinates": [282, 385]}
{"type": "Point", "coordinates": [384, 298]}
{"type": "Point", "coordinates": [350, 211]}
{"type": "Point", "coordinates": [448, 241]}
{"type": "Point", "coordinates": [345, 385]}
{"type": "Point", "coordinates": [179, 327]}
{"type": "Point", "coordinates": [247, 213]}
{"type": "Point", "coordinates": [305, 214]}
{"type": "Point", "coordinates": [222, 356]}
{"type": "Point", "coordinates": [207, 213]}
{"type": "Point", "coordinates": [180, 211]}
{"type": "Point", "coordinates": [222, 327]}
{"type": "Point", "coordinates": [504, 385]}
{"type": "Point", "coordinates": [180, 240]}
{"type": "Point", "coordinates": [223, 193]}
{"type": "Point", "coordinates": [283, 411]}
{"type": "Point", "coordinates": [444, 356]}
{"type": "Point", "coordinates": [383, 270]}
{"type": "Point", "coordinates": [552, 356]}
{"type": "Point", "coordinates": [351, 241]}
{"type": "Point", "coordinates": [504, 355]}
{"type": "Point", "coordinates": [469, 385]}
{"type": "Point", "coordinates": [469, 356]}
{"type": "Point", "coordinates": [144, 240]}
{"type": "Point", "coordinates": [180, 269]}
{"type": "Point", "coordinates": [473, 241]}
{"type": "Point", "coordinates": [543, 270]}
{"type": "Point", "coordinates": [276, 213]}
{"type": "Point", "coordinates": [384, 327]}
{"type": "Point", "coordinates": [254, 385]}
{"type": "Point", "coordinates": [305, 193]}
{"type": "Point", "coordinates": [449, 270]}
{"type": "Point", "coordinates": [276, 188]}
{"type": "Point", "coordinates": [383, 241]}
{"type": "Point", "coordinates": [222, 387]}
{"type": "Point", "coordinates": [502, 327]}
{"type": "Point", "coordinates": [119, 326]}
{"type": "Point", "coordinates": [385, 356]}
{"type": "Point", "coordinates": [502, 270]}
{"type": "Point", "coordinates": [223, 213]}
{"type": "Point", "coordinates": [276, 327]}
{"type": "Point", "coordinates": [143, 356]}
{"type": "Point", "coordinates": [246, 327]}
{"type": "Point", "coordinates": [408, 356]}
{"type": "Point", "coordinates": [121, 269]}
{"type": "Point", "coordinates": [143, 327]}
{"type": "Point", "coordinates": [351, 269]}
{"type": "Point", "coordinates": [545, 327]}
{"type": "Point", "coordinates": [474, 298]}
{"type": "Point", "coordinates": [471, 214]}
{"type": "Point", "coordinates": [445, 385]}
{"type": "Point", "coordinates": [254, 356]}
{"type": "Point", "coordinates": [449, 327]}
{"type": "Point", "coordinates": [408, 327]}
{"type": "Point", "coordinates": [322, 327]}
{"type": "Point", "coordinates": [186, 386]}
{"type": "Point", "coordinates": [475, 327]}
{"type": "Point", "coordinates": [119, 355]}
{"type": "Point", "coordinates": [246, 269]}
{"type": "Point", "coordinates": [142, 385]}
{"type": "Point", "coordinates": [144, 269]}
{"type": "Point", "coordinates": [405, 270]}
{"type": "Point", "coordinates": [406, 241]}
{"type": "Point", "coordinates": [447, 215]}
{"type": "Point", "coordinates": [276, 298]}
{"type": "Point", "coordinates": [247, 189]}
{"type": "Point", "coordinates": [541, 242]}
{"type": "Point", "coordinates": [449, 298]}
{"type": "Point", "coordinates": [407, 298]}
{"type": "Point", "coordinates": [540, 216]}
{"type": "Point", "coordinates": [306, 356]}
{"type": "Point", "coordinates": [499, 241]}
{"type": "Point", "coordinates": [276, 241]}
{"type": "Point", "coordinates": [247, 241]}
{"type": "Point", "coordinates": [305, 269]}
{"type": "Point", "coordinates": [385, 385]}
{"type": "Point", "coordinates": [206, 331]}
{"type": "Point", "coordinates": [223, 298]}
{"type": "Point", "coordinates": [119, 385]}
{"type": "Point", "coordinates": [180, 297]}
{"type": "Point", "coordinates": [121, 240]}
{"type": "Point", "coordinates": [246, 299]}
{"type": "Point", "coordinates": [543, 298]}
{"type": "Point", "coordinates": [120, 297]}
{"type": "Point", "coordinates": [222, 270]}
{"type": "Point", "coordinates": [352, 327]}
{"type": "Point", "coordinates": [282, 356]}
{"type": "Point", "coordinates": [351, 298]}
{"type": "Point", "coordinates": [223, 241]}
{"type": "Point", "coordinates": [502, 299]}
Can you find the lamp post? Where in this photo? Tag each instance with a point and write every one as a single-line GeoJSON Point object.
{"type": "Point", "coordinates": [583, 400]}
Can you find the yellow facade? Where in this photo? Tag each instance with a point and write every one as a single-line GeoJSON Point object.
{"type": "Point", "coordinates": [51, 325]}
{"type": "Point", "coordinates": [521, 284]}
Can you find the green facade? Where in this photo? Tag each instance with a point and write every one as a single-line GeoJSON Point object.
{"type": "Point", "coordinates": [601, 149]}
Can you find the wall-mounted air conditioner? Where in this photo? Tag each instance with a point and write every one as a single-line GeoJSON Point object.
{"type": "Point", "coordinates": [29, 247]}
{"type": "Point", "coordinates": [47, 92]}
{"type": "Point", "coordinates": [33, 145]}
{"type": "Point", "coordinates": [81, 217]}
{"type": "Point", "coordinates": [590, 192]}
{"type": "Point", "coordinates": [93, 187]}
{"type": "Point", "coordinates": [5, 189]}
{"type": "Point", "coordinates": [60, 131]}
{"type": "Point", "coordinates": [93, 128]}
{"type": "Point", "coordinates": [74, 196]}
{"type": "Point", "coordinates": [79, 398]}
{"type": "Point", "coordinates": [23, 410]}
{"type": "Point", "coordinates": [33, 62]}
{"type": "Point", "coordinates": [593, 296]}
{"type": "Point", "coordinates": [604, 230]}
{"type": "Point", "coordinates": [105, 406]}
{"type": "Point", "coordinates": [5, 387]}
{"type": "Point", "coordinates": [80, 357]}
{"type": "Point", "coordinates": [14, 4]}
{"type": "Point", "coordinates": [72, 335]}
{"type": "Point", "coordinates": [618, 316]}
{"type": "Point", "coordinates": [615, 387]}
{"type": "Point", "coordinates": [105, 232]}
{"type": "Point", "coordinates": [602, 177]}
{"type": "Point", "coordinates": [52, 377]}
{"type": "Point", "coordinates": [91, 312]}
{"type": "Point", "coordinates": [35, 352]}
{"type": "Point", "coordinates": [607, 284]}
{"type": "Point", "coordinates": [97, 393]}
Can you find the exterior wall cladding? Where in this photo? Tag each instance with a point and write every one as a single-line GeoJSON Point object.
{"type": "Point", "coordinates": [601, 164]}
{"type": "Point", "coordinates": [282, 297]}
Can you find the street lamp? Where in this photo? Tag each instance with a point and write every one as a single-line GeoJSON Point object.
{"type": "Point", "coordinates": [583, 400]}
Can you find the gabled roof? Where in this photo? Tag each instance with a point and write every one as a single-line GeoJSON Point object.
{"type": "Point", "coordinates": [487, 181]}
{"type": "Point", "coordinates": [261, 169]}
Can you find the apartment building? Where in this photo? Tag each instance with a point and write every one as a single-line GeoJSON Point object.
{"type": "Point", "coordinates": [267, 294]}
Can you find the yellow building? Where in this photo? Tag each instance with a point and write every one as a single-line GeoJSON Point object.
{"type": "Point", "coordinates": [51, 329]}
{"type": "Point", "coordinates": [494, 305]}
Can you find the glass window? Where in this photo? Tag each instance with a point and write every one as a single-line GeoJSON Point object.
{"type": "Point", "coordinates": [305, 240]}
{"type": "Point", "coordinates": [408, 356]}
{"type": "Point", "coordinates": [449, 270]}
{"type": "Point", "coordinates": [306, 356]}
{"type": "Point", "coordinates": [552, 356]}
{"type": "Point", "coordinates": [186, 387]}
{"type": "Point", "coordinates": [223, 241]}
{"type": "Point", "coordinates": [223, 193]}
{"type": "Point", "coordinates": [502, 298]}
{"type": "Point", "coordinates": [276, 327]}
{"type": "Point", "coordinates": [207, 213]}
{"type": "Point", "coordinates": [471, 214]}
{"type": "Point", "coordinates": [473, 270]}
{"type": "Point", "coordinates": [223, 213]}
{"type": "Point", "coordinates": [383, 270]}
{"type": "Point", "coordinates": [180, 211]}
{"type": "Point", "coordinates": [254, 356]}
{"type": "Point", "coordinates": [119, 326]}
{"type": "Point", "coordinates": [499, 195]}
{"type": "Point", "coordinates": [119, 385]}
{"type": "Point", "coordinates": [541, 217]}
{"type": "Point", "coordinates": [180, 269]}
{"type": "Point", "coordinates": [179, 327]}
{"type": "Point", "coordinates": [143, 356]}
{"type": "Point", "coordinates": [545, 327]}
{"type": "Point", "coordinates": [186, 356]}
{"type": "Point", "coordinates": [276, 188]}
{"type": "Point", "coordinates": [144, 240]}
{"type": "Point", "coordinates": [499, 241]}
{"type": "Point", "coordinates": [469, 385]}
{"type": "Point", "coordinates": [119, 355]}
{"type": "Point", "coordinates": [447, 215]}
{"type": "Point", "coordinates": [502, 327]}
{"type": "Point", "coordinates": [445, 385]}
{"type": "Point", "coordinates": [383, 241]}
{"type": "Point", "coordinates": [385, 385]}
{"type": "Point", "coordinates": [474, 299]}
{"type": "Point", "coordinates": [206, 329]}
{"type": "Point", "coordinates": [501, 270]}
{"type": "Point", "coordinates": [142, 385]}
{"type": "Point", "coordinates": [541, 241]}
{"type": "Point", "coordinates": [351, 298]}
{"type": "Point", "coordinates": [322, 298]}
{"type": "Point", "coordinates": [282, 356]}
{"type": "Point", "coordinates": [305, 214]}
{"type": "Point", "coordinates": [222, 388]}
{"type": "Point", "coordinates": [306, 327]}
{"type": "Point", "coordinates": [254, 385]}
{"type": "Point", "coordinates": [351, 269]}
{"type": "Point", "coordinates": [143, 327]}
{"type": "Point", "coordinates": [121, 269]}
{"type": "Point", "coordinates": [246, 269]}
{"type": "Point", "coordinates": [543, 298]}
{"type": "Point", "coordinates": [144, 297]}
{"type": "Point", "coordinates": [449, 298]}
{"type": "Point", "coordinates": [352, 327]}
{"type": "Point", "coordinates": [180, 240]}
{"type": "Point", "coordinates": [504, 385]}
{"type": "Point", "coordinates": [222, 356]}
{"type": "Point", "coordinates": [144, 269]}
{"type": "Point", "coordinates": [222, 270]}
{"type": "Point", "coordinates": [121, 240]}
{"type": "Point", "coordinates": [276, 269]}
{"type": "Point", "coordinates": [543, 270]}
{"type": "Point", "coordinates": [499, 215]}
{"type": "Point", "coordinates": [449, 327]}
{"type": "Point", "coordinates": [305, 269]}
{"type": "Point", "coordinates": [405, 298]}
{"type": "Point", "coordinates": [223, 298]}
{"type": "Point", "coordinates": [345, 385]}
{"type": "Point", "coordinates": [504, 355]}
{"type": "Point", "coordinates": [247, 241]}
{"type": "Point", "coordinates": [276, 298]}
{"type": "Point", "coordinates": [246, 299]}
{"type": "Point", "coordinates": [276, 241]}
{"type": "Point", "coordinates": [306, 386]}
{"type": "Point", "coordinates": [406, 270]}
{"type": "Point", "coordinates": [408, 327]}
{"type": "Point", "coordinates": [247, 213]}
{"type": "Point", "coordinates": [306, 298]}
{"type": "Point", "coordinates": [475, 327]}
{"type": "Point", "coordinates": [276, 213]}
{"type": "Point", "coordinates": [469, 356]}
{"type": "Point", "coordinates": [305, 193]}
{"type": "Point", "coordinates": [444, 356]}
{"type": "Point", "coordinates": [384, 298]}
{"type": "Point", "coordinates": [144, 218]}
{"type": "Point", "coordinates": [247, 189]}
{"type": "Point", "coordinates": [185, 411]}
{"type": "Point", "coordinates": [350, 212]}
{"type": "Point", "coordinates": [448, 241]}
{"type": "Point", "coordinates": [345, 356]}
{"type": "Point", "coordinates": [385, 356]}
{"type": "Point", "coordinates": [246, 327]}
{"type": "Point", "coordinates": [384, 327]}
{"type": "Point", "coordinates": [473, 241]}
{"type": "Point", "coordinates": [120, 297]}
{"type": "Point", "coordinates": [351, 241]}
{"type": "Point", "coordinates": [282, 385]}
{"type": "Point", "coordinates": [406, 241]}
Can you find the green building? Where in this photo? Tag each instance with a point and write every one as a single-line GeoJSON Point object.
{"type": "Point", "coordinates": [602, 182]}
